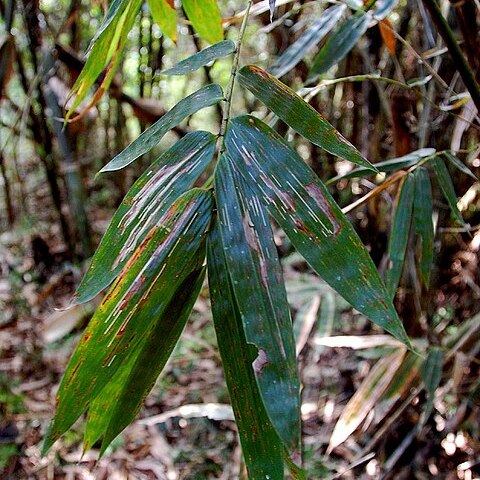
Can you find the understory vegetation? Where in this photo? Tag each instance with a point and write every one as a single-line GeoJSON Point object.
{"type": "Point", "coordinates": [239, 239]}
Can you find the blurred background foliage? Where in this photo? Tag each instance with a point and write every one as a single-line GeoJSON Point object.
{"type": "Point", "coordinates": [390, 86]}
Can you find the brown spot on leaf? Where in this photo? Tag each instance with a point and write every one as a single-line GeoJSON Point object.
{"type": "Point", "coordinates": [260, 362]}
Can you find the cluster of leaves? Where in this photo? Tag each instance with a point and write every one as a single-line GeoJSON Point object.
{"type": "Point", "coordinates": [167, 234]}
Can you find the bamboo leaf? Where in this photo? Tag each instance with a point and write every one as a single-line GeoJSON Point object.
{"type": "Point", "coordinates": [397, 245]}
{"type": "Point", "coordinates": [387, 166]}
{"type": "Point", "coordinates": [311, 37]}
{"type": "Point", "coordinates": [206, 18]}
{"type": "Point", "coordinates": [457, 163]}
{"type": "Point", "coordinates": [447, 188]}
{"type": "Point", "coordinates": [432, 374]}
{"type": "Point", "coordinates": [121, 399]}
{"type": "Point", "coordinates": [314, 223]}
{"type": "Point", "coordinates": [423, 223]}
{"type": "Point", "coordinates": [257, 282]}
{"type": "Point", "coordinates": [202, 58]}
{"type": "Point", "coordinates": [140, 295]}
{"type": "Point", "coordinates": [164, 15]}
{"type": "Point", "coordinates": [340, 43]}
{"type": "Point", "coordinates": [365, 398]}
{"type": "Point", "coordinates": [298, 114]}
{"type": "Point", "coordinates": [205, 97]}
{"type": "Point", "coordinates": [145, 203]}
{"type": "Point", "coordinates": [261, 446]}
{"type": "Point", "coordinates": [108, 43]}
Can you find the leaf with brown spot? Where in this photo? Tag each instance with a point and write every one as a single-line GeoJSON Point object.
{"type": "Point", "coordinates": [140, 295]}
{"type": "Point", "coordinates": [146, 202]}
{"type": "Point", "coordinates": [295, 197]}
{"type": "Point", "coordinates": [256, 277]}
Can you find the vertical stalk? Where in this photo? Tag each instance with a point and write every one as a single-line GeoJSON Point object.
{"type": "Point", "coordinates": [461, 63]}
{"type": "Point", "coordinates": [227, 106]}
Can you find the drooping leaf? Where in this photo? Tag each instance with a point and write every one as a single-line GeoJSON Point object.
{"type": "Point", "coordinates": [365, 398]}
{"type": "Point", "coordinates": [447, 188]}
{"type": "Point", "coordinates": [423, 223]}
{"type": "Point", "coordinates": [140, 295]}
{"type": "Point", "coordinates": [145, 203]}
{"type": "Point", "coordinates": [257, 283]}
{"type": "Point", "coordinates": [261, 446]}
{"type": "Point", "coordinates": [298, 114]}
{"type": "Point", "coordinates": [205, 97]}
{"type": "Point", "coordinates": [106, 46]}
{"type": "Point", "coordinates": [202, 58]}
{"type": "Point", "coordinates": [164, 15]}
{"type": "Point", "coordinates": [121, 399]}
{"type": "Point", "coordinates": [311, 37]}
{"type": "Point", "coordinates": [387, 35]}
{"type": "Point", "coordinates": [391, 165]}
{"type": "Point", "coordinates": [271, 4]}
{"type": "Point", "coordinates": [340, 43]}
{"type": "Point", "coordinates": [206, 18]}
{"type": "Point", "coordinates": [432, 374]}
{"type": "Point", "coordinates": [314, 223]}
{"type": "Point", "coordinates": [457, 163]}
{"type": "Point", "coordinates": [397, 245]}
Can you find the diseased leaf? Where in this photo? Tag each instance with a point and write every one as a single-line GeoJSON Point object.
{"type": "Point", "coordinates": [261, 446]}
{"type": "Point", "coordinates": [311, 37]}
{"type": "Point", "coordinates": [205, 97]}
{"type": "Point", "coordinates": [206, 18]}
{"type": "Point", "coordinates": [365, 398]}
{"type": "Point", "coordinates": [391, 165]}
{"type": "Point", "coordinates": [257, 285]}
{"type": "Point", "coordinates": [457, 163]}
{"type": "Point", "coordinates": [447, 188]}
{"type": "Point", "coordinates": [387, 35]}
{"type": "Point", "coordinates": [145, 203]}
{"type": "Point", "coordinates": [397, 245]}
{"type": "Point", "coordinates": [164, 15]}
{"type": "Point", "coordinates": [340, 43]}
{"type": "Point", "coordinates": [139, 296]}
{"type": "Point", "coordinates": [106, 46]}
{"type": "Point", "coordinates": [298, 114]}
{"type": "Point", "coordinates": [121, 399]}
{"type": "Point", "coordinates": [432, 374]}
{"type": "Point", "coordinates": [423, 223]}
{"type": "Point", "coordinates": [202, 58]}
{"type": "Point", "coordinates": [314, 223]}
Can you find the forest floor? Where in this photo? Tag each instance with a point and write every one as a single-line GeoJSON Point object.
{"type": "Point", "coordinates": [185, 430]}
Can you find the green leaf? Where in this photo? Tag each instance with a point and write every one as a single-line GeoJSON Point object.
{"type": "Point", "coordinates": [298, 114]}
{"type": "Point", "coordinates": [257, 282]}
{"type": "Point", "coordinates": [397, 246]}
{"type": "Point", "coordinates": [164, 15]}
{"type": "Point", "coordinates": [140, 295]}
{"type": "Point", "coordinates": [423, 223]}
{"type": "Point", "coordinates": [202, 58]}
{"type": "Point", "coordinates": [206, 18]}
{"type": "Point", "coordinates": [261, 446]}
{"type": "Point", "coordinates": [457, 163]}
{"type": "Point", "coordinates": [313, 35]}
{"type": "Point", "coordinates": [121, 399]}
{"type": "Point", "coordinates": [205, 97]}
{"type": "Point", "coordinates": [145, 203]}
{"type": "Point", "coordinates": [340, 43]}
{"type": "Point", "coordinates": [105, 47]}
{"type": "Point", "coordinates": [432, 374]}
{"type": "Point", "coordinates": [387, 166]}
{"type": "Point", "coordinates": [314, 223]}
{"type": "Point", "coordinates": [447, 188]}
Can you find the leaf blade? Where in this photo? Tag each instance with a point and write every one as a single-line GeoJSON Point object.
{"type": "Point", "coordinates": [298, 114]}
{"type": "Point", "coordinates": [205, 97]}
{"type": "Point", "coordinates": [206, 18]}
{"type": "Point", "coordinates": [145, 203]}
{"type": "Point", "coordinates": [164, 15]}
{"type": "Point", "coordinates": [201, 58]}
{"type": "Point", "coordinates": [257, 283]}
{"type": "Point", "coordinates": [302, 206]}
